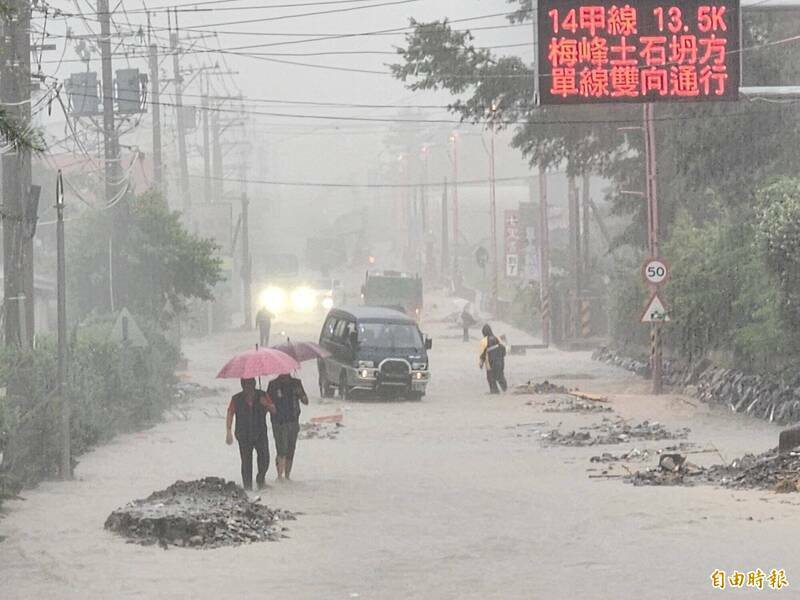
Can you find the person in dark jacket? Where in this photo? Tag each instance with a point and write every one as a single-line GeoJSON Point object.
{"type": "Point", "coordinates": [467, 321]}
{"type": "Point", "coordinates": [250, 407]}
{"type": "Point", "coordinates": [493, 358]}
{"type": "Point", "coordinates": [286, 393]}
{"type": "Point", "coordinates": [264, 322]}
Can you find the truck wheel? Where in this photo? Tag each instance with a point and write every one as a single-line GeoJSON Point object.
{"type": "Point", "coordinates": [414, 396]}
{"type": "Point", "coordinates": [325, 389]}
{"type": "Point", "coordinates": [344, 390]}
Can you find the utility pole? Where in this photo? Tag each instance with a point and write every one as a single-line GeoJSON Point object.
{"type": "Point", "coordinates": [206, 150]}
{"type": "Point", "coordinates": [182, 156]}
{"type": "Point", "coordinates": [574, 253]}
{"type": "Point", "coordinates": [247, 266]}
{"type": "Point", "coordinates": [544, 256]}
{"type": "Point", "coordinates": [61, 285]}
{"type": "Point", "coordinates": [493, 226]}
{"type": "Point", "coordinates": [456, 240]}
{"type": "Point", "coordinates": [16, 178]}
{"type": "Point", "coordinates": [155, 95]}
{"type": "Point", "coordinates": [216, 157]}
{"type": "Point", "coordinates": [445, 234]}
{"type": "Point", "coordinates": [587, 199]}
{"type": "Point", "coordinates": [652, 236]}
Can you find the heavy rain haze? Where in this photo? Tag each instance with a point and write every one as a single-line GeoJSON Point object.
{"type": "Point", "coordinates": [399, 298]}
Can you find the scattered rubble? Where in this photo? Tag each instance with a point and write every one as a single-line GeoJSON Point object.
{"type": "Point", "coordinates": [318, 431]}
{"type": "Point", "coordinates": [613, 432]}
{"type": "Point", "coordinates": [207, 513]}
{"type": "Point", "coordinates": [767, 471]}
{"type": "Point", "coordinates": [545, 387]}
{"type": "Point", "coordinates": [633, 455]}
{"type": "Point", "coordinates": [574, 405]}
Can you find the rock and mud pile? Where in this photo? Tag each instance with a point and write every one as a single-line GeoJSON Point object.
{"type": "Point", "coordinates": [207, 513]}
{"type": "Point", "coordinates": [610, 432]}
{"type": "Point", "coordinates": [767, 471]}
{"type": "Point", "coordinates": [574, 405]}
{"type": "Point", "coordinates": [544, 387]}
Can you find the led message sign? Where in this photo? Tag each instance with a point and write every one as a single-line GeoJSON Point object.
{"type": "Point", "coordinates": [592, 52]}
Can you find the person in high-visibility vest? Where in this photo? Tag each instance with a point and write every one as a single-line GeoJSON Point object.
{"type": "Point", "coordinates": [493, 358]}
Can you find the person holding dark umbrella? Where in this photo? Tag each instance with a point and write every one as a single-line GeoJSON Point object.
{"type": "Point", "coordinates": [287, 393]}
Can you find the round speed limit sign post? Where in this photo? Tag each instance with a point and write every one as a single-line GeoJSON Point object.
{"type": "Point", "coordinates": [655, 271]}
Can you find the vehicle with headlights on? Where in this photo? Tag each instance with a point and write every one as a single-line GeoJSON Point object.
{"type": "Point", "coordinates": [373, 349]}
{"type": "Point", "coordinates": [300, 297]}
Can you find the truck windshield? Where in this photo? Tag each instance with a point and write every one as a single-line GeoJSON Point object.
{"type": "Point", "coordinates": [384, 289]}
{"type": "Point", "coordinates": [389, 335]}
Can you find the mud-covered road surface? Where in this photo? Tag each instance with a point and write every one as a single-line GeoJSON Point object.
{"type": "Point", "coordinates": [434, 499]}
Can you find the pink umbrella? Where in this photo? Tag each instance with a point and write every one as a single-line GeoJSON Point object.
{"type": "Point", "coordinates": [302, 351]}
{"type": "Point", "coordinates": [254, 363]}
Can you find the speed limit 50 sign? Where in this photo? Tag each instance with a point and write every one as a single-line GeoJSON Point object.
{"type": "Point", "coordinates": [655, 271]}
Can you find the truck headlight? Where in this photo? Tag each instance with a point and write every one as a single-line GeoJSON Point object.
{"type": "Point", "coordinates": [303, 299]}
{"type": "Point", "coordinates": [327, 303]}
{"type": "Point", "coordinates": [273, 299]}
{"type": "Point", "coordinates": [419, 375]}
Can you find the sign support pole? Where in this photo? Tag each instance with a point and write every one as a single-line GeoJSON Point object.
{"type": "Point", "coordinates": [652, 237]}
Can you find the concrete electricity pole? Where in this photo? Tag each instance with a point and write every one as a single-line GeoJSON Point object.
{"type": "Point", "coordinates": [445, 234]}
{"type": "Point", "coordinates": [216, 156]}
{"type": "Point", "coordinates": [206, 149]}
{"type": "Point", "coordinates": [652, 236]}
{"type": "Point", "coordinates": [247, 266]}
{"type": "Point", "coordinates": [155, 95]}
{"type": "Point", "coordinates": [16, 179]}
{"type": "Point", "coordinates": [61, 286]}
{"type": "Point", "coordinates": [544, 256]}
{"type": "Point", "coordinates": [181, 117]}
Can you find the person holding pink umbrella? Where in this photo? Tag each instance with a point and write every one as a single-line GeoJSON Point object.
{"type": "Point", "coordinates": [249, 407]}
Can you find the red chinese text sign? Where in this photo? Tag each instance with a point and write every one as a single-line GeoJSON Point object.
{"type": "Point", "coordinates": [591, 52]}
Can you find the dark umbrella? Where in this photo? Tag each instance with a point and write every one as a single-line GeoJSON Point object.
{"type": "Point", "coordinates": [302, 351]}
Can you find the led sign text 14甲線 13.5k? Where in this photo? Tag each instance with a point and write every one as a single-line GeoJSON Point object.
{"type": "Point", "coordinates": [640, 52]}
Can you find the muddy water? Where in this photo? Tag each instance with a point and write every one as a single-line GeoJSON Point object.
{"type": "Point", "coordinates": [437, 499]}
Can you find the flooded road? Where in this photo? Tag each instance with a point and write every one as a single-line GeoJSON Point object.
{"type": "Point", "coordinates": [451, 497]}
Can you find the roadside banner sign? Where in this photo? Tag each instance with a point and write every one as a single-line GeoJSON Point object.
{"type": "Point", "coordinates": [655, 271]}
{"type": "Point", "coordinates": [655, 311]}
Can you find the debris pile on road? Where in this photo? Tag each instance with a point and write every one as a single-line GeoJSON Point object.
{"type": "Point", "coordinates": [545, 387]}
{"type": "Point", "coordinates": [613, 432]}
{"type": "Point", "coordinates": [207, 513]}
{"type": "Point", "coordinates": [633, 455]}
{"type": "Point", "coordinates": [319, 431]}
{"type": "Point", "coordinates": [574, 405]}
{"type": "Point", "coordinates": [767, 471]}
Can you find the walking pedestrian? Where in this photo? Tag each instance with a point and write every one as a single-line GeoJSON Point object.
{"type": "Point", "coordinates": [264, 322]}
{"type": "Point", "coordinates": [287, 393]}
{"type": "Point", "coordinates": [493, 358]}
{"type": "Point", "coordinates": [250, 407]}
{"type": "Point", "coordinates": [467, 321]}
